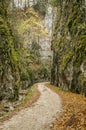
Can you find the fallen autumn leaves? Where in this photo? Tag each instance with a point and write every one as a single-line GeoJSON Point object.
{"type": "Point", "coordinates": [73, 116]}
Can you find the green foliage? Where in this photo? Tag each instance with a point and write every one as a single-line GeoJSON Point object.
{"type": "Point", "coordinates": [31, 26]}
{"type": "Point", "coordinates": [24, 76]}
{"type": "Point", "coordinates": [44, 73]}
{"type": "Point", "coordinates": [65, 60]}
{"type": "Point", "coordinates": [8, 56]}
{"type": "Point", "coordinates": [41, 7]}
{"type": "Point", "coordinates": [82, 80]}
{"type": "Point", "coordinates": [29, 94]}
{"type": "Point", "coordinates": [54, 2]}
{"type": "Point", "coordinates": [69, 42]}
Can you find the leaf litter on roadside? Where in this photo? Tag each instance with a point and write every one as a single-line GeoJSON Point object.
{"type": "Point", "coordinates": [73, 116]}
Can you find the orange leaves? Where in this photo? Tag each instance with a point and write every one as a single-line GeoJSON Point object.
{"type": "Point", "coordinates": [73, 116]}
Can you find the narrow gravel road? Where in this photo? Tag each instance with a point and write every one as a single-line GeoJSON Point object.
{"type": "Point", "coordinates": [39, 116]}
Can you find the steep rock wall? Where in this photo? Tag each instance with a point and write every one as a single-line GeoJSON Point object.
{"type": "Point", "coordinates": [8, 68]}
{"type": "Point", "coordinates": [69, 46]}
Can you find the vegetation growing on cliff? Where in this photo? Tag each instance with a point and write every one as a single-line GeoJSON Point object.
{"type": "Point", "coordinates": [69, 44]}
{"type": "Point", "coordinates": [8, 58]}
{"type": "Point", "coordinates": [25, 32]}
{"type": "Point", "coordinates": [20, 62]}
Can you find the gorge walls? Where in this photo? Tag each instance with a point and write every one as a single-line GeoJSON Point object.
{"type": "Point", "coordinates": [69, 46]}
{"type": "Point", "coordinates": [8, 66]}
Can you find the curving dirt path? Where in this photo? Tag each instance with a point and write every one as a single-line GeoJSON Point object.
{"type": "Point", "coordinates": [39, 116]}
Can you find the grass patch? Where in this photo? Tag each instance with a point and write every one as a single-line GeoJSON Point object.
{"type": "Point", "coordinates": [31, 97]}
{"type": "Point", "coordinates": [28, 95]}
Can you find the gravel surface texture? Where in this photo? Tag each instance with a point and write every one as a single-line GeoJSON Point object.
{"type": "Point", "coordinates": [40, 115]}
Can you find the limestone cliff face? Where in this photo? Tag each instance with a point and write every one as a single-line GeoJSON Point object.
{"type": "Point", "coordinates": [8, 75]}
{"type": "Point", "coordinates": [69, 46]}
{"type": "Point", "coordinates": [45, 42]}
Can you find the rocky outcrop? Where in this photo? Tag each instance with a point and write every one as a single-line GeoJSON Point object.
{"type": "Point", "coordinates": [69, 46]}
{"type": "Point", "coordinates": [8, 68]}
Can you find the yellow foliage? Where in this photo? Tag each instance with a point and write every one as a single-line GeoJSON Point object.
{"type": "Point", "coordinates": [32, 24]}
{"type": "Point", "coordinates": [31, 12]}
